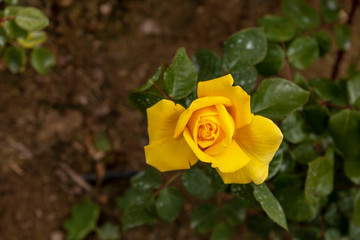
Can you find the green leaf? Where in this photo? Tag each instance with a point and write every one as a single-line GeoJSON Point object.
{"type": "Point", "coordinates": [143, 100]}
{"type": "Point", "coordinates": [197, 183]}
{"type": "Point", "coordinates": [244, 48]}
{"type": "Point", "coordinates": [270, 204]}
{"type": "Point", "coordinates": [306, 233]}
{"type": "Point", "coordinates": [301, 81]}
{"type": "Point", "coordinates": [133, 197]}
{"type": "Point", "coordinates": [216, 181]}
{"type": "Point", "coordinates": [303, 52]}
{"type": "Point", "coordinates": [146, 180]}
{"type": "Point", "coordinates": [356, 215]}
{"type": "Point", "coordinates": [2, 39]}
{"type": "Point", "coordinates": [83, 220]}
{"type": "Point", "coordinates": [277, 106]}
{"type": "Point", "coordinates": [301, 14]}
{"type": "Point", "coordinates": [296, 207]}
{"type": "Point", "coordinates": [32, 39]}
{"type": "Point", "coordinates": [245, 192]}
{"type": "Point", "coordinates": [168, 204]}
{"type": "Point", "coordinates": [207, 64]}
{"type": "Point", "coordinates": [330, 91]}
{"type": "Point", "coordinates": [275, 164]}
{"type": "Point", "coordinates": [10, 11]}
{"type": "Point", "coordinates": [352, 167]}
{"type": "Point", "coordinates": [344, 128]}
{"type": "Point", "coordinates": [319, 179]}
{"type": "Point", "coordinates": [139, 214]}
{"type": "Point", "coordinates": [157, 78]}
{"type": "Point", "coordinates": [222, 231]}
{"type": "Point", "coordinates": [330, 10]}
{"type": "Point", "coordinates": [13, 30]}
{"type": "Point", "coordinates": [277, 28]}
{"type": "Point", "coordinates": [31, 19]}
{"type": "Point", "coordinates": [304, 153]}
{"type": "Point", "coordinates": [293, 128]}
{"type": "Point", "coordinates": [343, 37]}
{"type": "Point", "coordinates": [102, 142]}
{"type": "Point", "coordinates": [354, 231]}
{"type": "Point", "coordinates": [286, 180]}
{"type": "Point", "coordinates": [317, 117]}
{"type": "Point", "coordinates": [346, 200]}
{"type": "Point", "coordinates": [245, 77]}
{"type": "Point", "coordinates": [324, 41]}
{"type": "Point", "coordinates": [42, 60]}
{"type": "Point", "coordinates": [204, 217]}
{"type": "Point", "coordinates": [181, 77]}
{"type": "Point", "coordinates": [273, 62]}
{"type": "Point", "coordinates": [108, 231]}
{"type": "Point", "coordinates": [353, 89]}
{"type": "Point", "coordinates": [260, 225]}
{"type": "Point", "coordinates": [234, 211]}
{"type": "Point", "coordinates": [13, 2]}
{"type": "Point", "coordinates": [332, 215]}
{"type": "Point", "coordinates": [15, 59]}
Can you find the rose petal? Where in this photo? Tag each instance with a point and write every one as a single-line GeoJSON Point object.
{"type": "Point", "coordinates": [162, 118]}
{"type": "Point", "coordinates": [196, 105]}
{"type": "Point", "coordinates": [227, 122]}
{"type": "Point", "coordinates": [260, 140]}
{"type": "Point", "coordinates": [240, 109]}
{"type": "Point", "coordinates": [230, 160]}
{"type": "Point", "coordinates": [170, 154]}
{"type": "Point", "coordinates": [255, 171]}
{"type": "Point", "coordinates": [194, 120]}
{"type": "Point", "coordinates": [164, 152]}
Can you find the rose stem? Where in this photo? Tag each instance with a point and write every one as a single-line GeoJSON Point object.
{"type": "Point", "coordinates": [162, 91]}
{"type": "Point", "coordinates": [340, 53]}
{"type": "Point", "coordinates": [287, 65]}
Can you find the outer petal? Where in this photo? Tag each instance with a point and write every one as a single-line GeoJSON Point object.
{"type": "Point", "coordinates": [255, 171]}
{"type": "Point", "coordinates": [164, 152]}
{"type": "Point", "coordinates": [170, 154]}
{"type": "Point", "coordinates": [162, 118]}
{"type": "Point", "coordinates": [195, 105]}
{"type": "Point", "coordinates": [240, 109]}
{"type": "Point", "coordinates": [260, 140]}
{"type": "Point", "coordinates": [230, 160]}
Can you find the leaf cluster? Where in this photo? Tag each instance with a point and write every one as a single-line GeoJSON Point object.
{"type": "Point", "coordinates": [21, 34]}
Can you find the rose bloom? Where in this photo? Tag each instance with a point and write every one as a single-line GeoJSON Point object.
{"type": "Point", "coordinates": [217, 128]}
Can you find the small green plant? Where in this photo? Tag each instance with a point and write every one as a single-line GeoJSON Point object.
{"type": "Point", "coordinates": [84, 221]}
{"type": "Point", "coordinates": [311, 187]}
{"type": "Point", "coordinates": [21, 36]}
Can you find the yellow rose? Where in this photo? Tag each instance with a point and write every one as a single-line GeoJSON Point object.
{"type": "Point", "coordinates": [217, 128]}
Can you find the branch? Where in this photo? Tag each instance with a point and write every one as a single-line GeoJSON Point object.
{"type": "Point", "coordinates": [340, 54]}
{"type": "Point", "coordinates": [287, 64]}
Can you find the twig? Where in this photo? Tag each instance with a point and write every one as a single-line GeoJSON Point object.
{"type": "Point", "coordinates": [16, 168]}
{"type": "Point", "coordinates": [328, 104]}
{"type": "Point", "coordinates": [162, 91]}
{"type": "Point", "coordinates": [172, 179]}
{"type": "Point", "coordinates": [20, 147]}
{"type": "Point", "coordinates": [322, 226]}
{"type": "Point", "coordinates": [340, 54]}
{"type": "Point", "coordinates": [287, 64]}
{"type": "Point", "coordinates": [75, 177]}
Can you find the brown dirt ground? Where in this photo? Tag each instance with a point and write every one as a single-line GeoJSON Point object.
{"type": "Point", "coordinates": [104, 50]}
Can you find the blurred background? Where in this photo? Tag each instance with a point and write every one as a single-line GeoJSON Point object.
{"type": "Point", "coordinates": [104, 50]}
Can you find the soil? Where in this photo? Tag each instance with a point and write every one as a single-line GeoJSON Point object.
{"type": "Point", "coordinates": [104, 50]}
